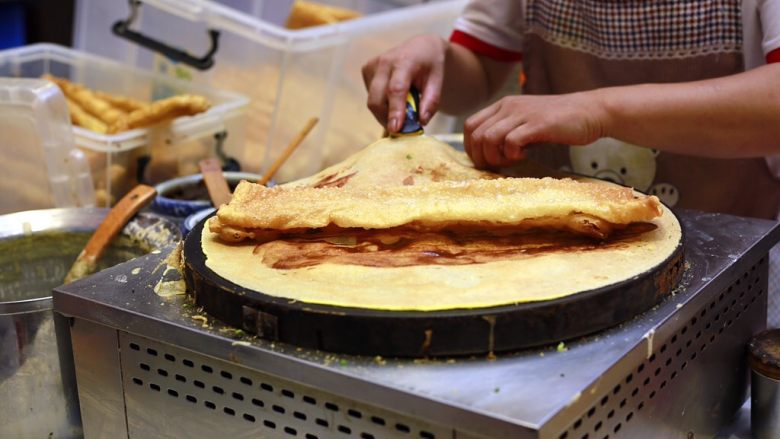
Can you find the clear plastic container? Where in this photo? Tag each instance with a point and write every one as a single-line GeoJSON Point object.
{"type": "Point", "coordinates": [41, 167]}
{"type": "Point", "coordinates": [120, 161]}
{"type": "Point", "coordinates": [289, 75]}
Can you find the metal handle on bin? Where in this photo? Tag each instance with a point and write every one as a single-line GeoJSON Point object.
{"type": "Point", "coordinates": [122, 29]}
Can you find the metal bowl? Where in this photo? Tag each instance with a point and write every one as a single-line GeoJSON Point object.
{"type": "Point", "coordinates": [36, 250]}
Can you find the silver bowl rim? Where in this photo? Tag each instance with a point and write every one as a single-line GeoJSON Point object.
{"type": "Point", "coordinates": [20, 224]}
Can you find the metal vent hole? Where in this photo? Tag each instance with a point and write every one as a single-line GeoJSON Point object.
{"type": "Point", "coordinates": [402, 428]}
{"type": "Point", "coordinates": [191, 378]}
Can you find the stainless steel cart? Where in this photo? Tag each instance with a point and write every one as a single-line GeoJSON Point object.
{"type": "Point", "coordinates": [147, 367]}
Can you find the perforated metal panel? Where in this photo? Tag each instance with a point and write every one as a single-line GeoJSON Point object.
{"type": "Point", "coordinates": [643, 396]}
{"type": "Point", "coordinates": [178, 393]}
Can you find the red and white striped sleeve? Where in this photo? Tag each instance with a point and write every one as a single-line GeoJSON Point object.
{"type": "Point", "coordinates": [493, 28]}
{"type": "Point", "coordinates": [760, 32]}
{"type": "Point", "coordinates": [770, 24]}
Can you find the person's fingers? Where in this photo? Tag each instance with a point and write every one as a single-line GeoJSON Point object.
{"type": "Point", "coordinates": [471, 125]}
{"type": "Point", "coordinates": [368, 71]}
{"type": "Point", "coordinates": [518, 139]}
{"type": "Point", "coordinates": [492, 138]}
{"type": "Point", "coordinates": [377, 91]}
{"type": "Point", "coordinates": [477, 119]}
{"type": "Point", "coordinates": [397, 89]}
{"type": "Point", "coordinates": [476, 155]}
{"type": "Point", "coordinates": [431, 93]}
{"type": "Point", "coordinates": [472, 138]}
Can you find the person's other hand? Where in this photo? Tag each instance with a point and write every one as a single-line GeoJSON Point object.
{"type": "Point", "coordinates": [498, 135]}
{"type": "Point", "coordinates": [388, 77]}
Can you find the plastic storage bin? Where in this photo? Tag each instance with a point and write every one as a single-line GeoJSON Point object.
{"type": "Point", "coordinates": [41, 167]}
{"type": "Point", "coordinates": [119, 161]}
{"type": "Point", "coordinates": [289, 75]}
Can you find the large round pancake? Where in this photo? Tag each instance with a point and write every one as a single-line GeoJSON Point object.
{"type": "Point", "coordinates": [531, 278]}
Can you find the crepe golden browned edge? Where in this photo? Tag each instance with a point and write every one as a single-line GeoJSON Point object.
{"type": "Point", "coordinates": [161, 111]}
{"type": "Point", "coordinates": [577, 223]}
{"type": "Point", "coordinates": [307, 14]}
{"type": "Point", "coordinates": [547, 202]}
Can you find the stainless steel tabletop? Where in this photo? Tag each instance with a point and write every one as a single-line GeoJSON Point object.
{"type": "Point", "coordinates": [511, 394]}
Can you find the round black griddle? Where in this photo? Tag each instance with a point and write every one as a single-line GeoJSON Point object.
{"type": "Point", "coordinates": [361, 331]}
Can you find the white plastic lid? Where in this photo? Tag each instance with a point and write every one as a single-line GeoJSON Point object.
{"type": "Point", "coordinates": [39, 165]}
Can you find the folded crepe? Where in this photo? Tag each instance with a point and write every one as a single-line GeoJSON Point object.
{"type": "Point", "coordinates": [501, 206]}
{"type": "Point", "coordinates": [320, 250]}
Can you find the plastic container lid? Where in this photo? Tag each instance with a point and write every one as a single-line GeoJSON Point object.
{"type": "Point", "coordinates": [37, 146]}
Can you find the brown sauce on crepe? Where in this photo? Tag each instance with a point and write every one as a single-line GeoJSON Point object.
{"type": "Point", "coordinates": [404, 248]}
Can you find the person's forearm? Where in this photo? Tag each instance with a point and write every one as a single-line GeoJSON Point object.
{"type": "Point", "coordinates": [470, 80]}
{"type": "Point", "coordinates": [727, 117]}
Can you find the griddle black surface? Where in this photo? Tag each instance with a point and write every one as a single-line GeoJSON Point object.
{"type": "Point", "coordinates": [436, 333]}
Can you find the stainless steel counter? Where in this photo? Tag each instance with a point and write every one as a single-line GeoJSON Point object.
{"type": "Point", "coordinates": [677, 370]}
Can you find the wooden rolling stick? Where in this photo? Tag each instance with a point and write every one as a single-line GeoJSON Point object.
{"type": "Point", "coordinates": [219, 191]}
{"type": "Point", "coordinates": [112, 224]}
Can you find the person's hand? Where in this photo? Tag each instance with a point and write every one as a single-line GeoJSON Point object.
{"type": "Point", "coordinates": [498, 135]}
{"type": "Point", "coordinates": [388, 77]}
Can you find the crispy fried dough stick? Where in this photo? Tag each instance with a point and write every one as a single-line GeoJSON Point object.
{"type": "Point", "coordinates": [88, 100]}
{"type": "Point", "coordinates": [306, 14]}
{"type": "Point", "coordinates": [83, 119]}
{"type": "Point", "coordinates": [160, 111]}
{"type": "Point", "coordinates": [128, 105]}
{"type": "Point", "coordinates": [586, 208]}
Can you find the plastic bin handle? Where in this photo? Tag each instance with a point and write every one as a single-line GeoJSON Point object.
{"type": "Point", "coordinates": [122, 29]}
